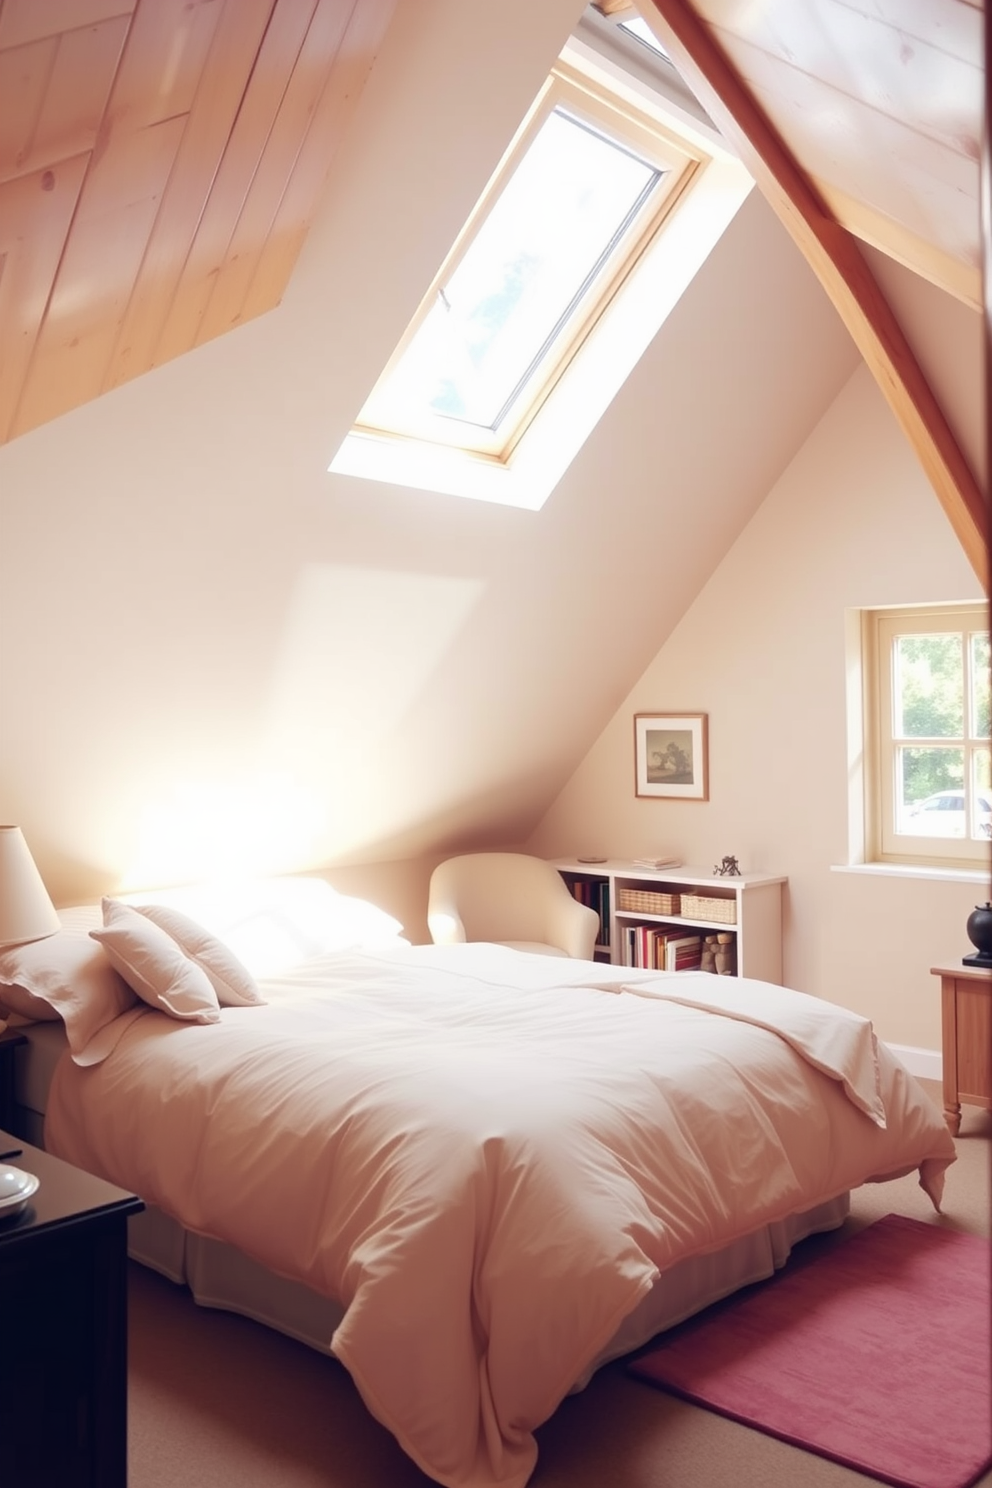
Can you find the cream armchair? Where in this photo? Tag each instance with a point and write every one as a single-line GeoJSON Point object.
{"type": "Point", "coordinates": [511, 899]}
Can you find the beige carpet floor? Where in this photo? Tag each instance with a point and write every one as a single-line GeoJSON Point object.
{"type": "Point", "coordinates": [217, 1401]}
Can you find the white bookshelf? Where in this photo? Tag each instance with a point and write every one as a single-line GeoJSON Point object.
{"type": "Point", "coordinates": [756, 900]}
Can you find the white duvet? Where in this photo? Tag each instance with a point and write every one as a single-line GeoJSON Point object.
{"type": "Point", "coordinates": [488, 1157]}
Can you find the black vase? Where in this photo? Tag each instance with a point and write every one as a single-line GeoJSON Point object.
{"type": "Point", "coordinates": [979, 928]}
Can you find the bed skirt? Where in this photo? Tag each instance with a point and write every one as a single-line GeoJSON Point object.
{"type": "Point", "coordinates": [219, 1276]}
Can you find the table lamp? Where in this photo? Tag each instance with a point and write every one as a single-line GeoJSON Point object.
{"type": "Point", "coordinates": [26, 912]}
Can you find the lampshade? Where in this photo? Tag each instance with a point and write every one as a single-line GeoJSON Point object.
{"type": "Point", "coordinates": [26, 912]}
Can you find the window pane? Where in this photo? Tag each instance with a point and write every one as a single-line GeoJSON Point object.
{"type": "Point", "coordinates": [561, 214]}
{"type": "Point", "coordinates": [930, 795]}
{"type": "Point", "coordinates": [980, 686]}
{"type": "Point", "coordinates": [929, 687]}
{"type": "Point", "coordinates": [933, 791]}
{"type": "Point", "coordinates": [981, 785]}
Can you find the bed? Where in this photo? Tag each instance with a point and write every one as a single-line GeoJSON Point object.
{"type": "Point", "coordinates": [471, 1174]}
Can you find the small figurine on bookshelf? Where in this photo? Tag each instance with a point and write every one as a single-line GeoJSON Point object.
{"type": "Point", "coordinates": [727, 868]}
{"type": "Point", "coordinates": [719, 955]}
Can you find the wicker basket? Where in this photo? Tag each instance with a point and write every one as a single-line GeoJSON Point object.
{"type": "Point", "coordinates": [720, 911]}
{"type": "Point", "coordinates": [649, 901]}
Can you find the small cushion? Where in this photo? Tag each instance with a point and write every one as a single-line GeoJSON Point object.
{"type": "Point", "coordinates": [232, 982]}
{"type": "Point", "coordinates": [154, 967]}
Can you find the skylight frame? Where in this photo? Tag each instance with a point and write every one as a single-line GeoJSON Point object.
{"type": "Point", "coordinates": [384, 418]}
{"type": "Point", "coordinates": [637, 27]}
{"type": "Point", "coordinates": [613, 346]}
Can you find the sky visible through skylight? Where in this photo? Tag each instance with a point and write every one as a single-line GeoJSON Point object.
{"type": "Point", "coordinates": [542, 245]}
{"type": "Point", "coordinates": [555, 286]}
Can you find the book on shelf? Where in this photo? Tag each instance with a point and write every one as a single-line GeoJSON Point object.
{"type": "Point", "coordinates": [683, 952]}
{"type": "Point", "coordinates": [595, 895]}
{"type": "Point", "coordinates": [651, 948]}
{"type": "Point", "coordinates": [657, 862]}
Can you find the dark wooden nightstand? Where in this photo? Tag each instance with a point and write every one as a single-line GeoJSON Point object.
{"type": "Point", "coordinates": [10, 1041]}
{"type": "Point", "coordinates": [63, 1329]}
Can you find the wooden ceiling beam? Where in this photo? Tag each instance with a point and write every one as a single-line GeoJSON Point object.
{"type": "Point", "coordinates": [837, 261]}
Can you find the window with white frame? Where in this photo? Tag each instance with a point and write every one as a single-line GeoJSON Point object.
{"type": "Point", "coordinates": [564, 271]}
{"type": "Point", "coordinates": [929, 784]}
{"type": "Point", "coordinates": [583, 188]}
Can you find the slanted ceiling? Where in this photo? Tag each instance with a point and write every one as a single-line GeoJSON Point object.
{"type": "Point", "coordinates": [160, 161]}
{"type": "Point", "coordinates": [861, 120]}
{"type": "Point", "coordinates": [214, 653]}
{"type": "Point", "coordinates": [159, 165]}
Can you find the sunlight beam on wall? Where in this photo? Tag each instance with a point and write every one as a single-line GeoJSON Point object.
{"type": "Point", "coordinates": [358, 648]}
{"type": "Point", "coordinates": [226, 827]}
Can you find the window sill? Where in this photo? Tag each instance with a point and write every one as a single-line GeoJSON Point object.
{"type": "Point", "coordinates": [915, 870]}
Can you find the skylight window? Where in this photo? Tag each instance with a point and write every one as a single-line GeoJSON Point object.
{"type": "Point", "coordinates": [604, 206]}
{"type": "Point", "coordinates": [497, 323]}
{"type": "Point", "coordinates": [582, 187]}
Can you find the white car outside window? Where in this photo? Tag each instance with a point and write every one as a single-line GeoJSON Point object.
{"type": "Point", "coordinates": [943, 815]}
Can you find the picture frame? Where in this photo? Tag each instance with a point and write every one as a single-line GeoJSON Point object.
{"type": "Point", "coordinates": [670, 756]}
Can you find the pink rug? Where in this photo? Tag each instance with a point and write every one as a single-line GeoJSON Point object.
{"type": "Point", "coordinates": [876, 1355]}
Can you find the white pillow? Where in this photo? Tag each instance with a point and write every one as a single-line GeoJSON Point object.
{"type": "Point", "coordinates": [274, 924]}
{"type": "Point", "coordinates": [66, 976]}
{"type": "Point", "coordinates": [153, 965]}
{"type": "Point", "coordinates": [232, 982]}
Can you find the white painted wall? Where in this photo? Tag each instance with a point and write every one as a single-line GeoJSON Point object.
{"type": "Point", "coordinates": [852, 522]}
{"type": "Point", "coordinates": [214, 653]}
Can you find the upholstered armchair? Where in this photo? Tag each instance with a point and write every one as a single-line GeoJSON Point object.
{"type": "Point", "coordinates": [511, 899]}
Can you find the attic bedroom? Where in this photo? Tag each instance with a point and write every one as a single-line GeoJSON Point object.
{"type": "Point", "coordinates": [216, 653]}
{"type": "Point", "coordinates": [225, 654]}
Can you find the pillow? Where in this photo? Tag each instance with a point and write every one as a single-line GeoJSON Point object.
{"type": "Point", "coordinates": [274, 924]}
{"type": "Point", "coordinates": [22, 1006]}
{"type": "Point", "coordinates": [232, 982]}
{"type": "Point", "coordinates": [67, 976]}
{"type": "Point", "coordinates": [153, 965]}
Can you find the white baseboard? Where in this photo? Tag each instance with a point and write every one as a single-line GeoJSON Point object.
{"type": "Point", "coordinates": [925, 1064]}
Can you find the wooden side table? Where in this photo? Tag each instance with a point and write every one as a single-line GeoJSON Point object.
{"type": "Point", "coordinates": [11, 1039]}
{"type": "Point", "coordinates": [63, 1363]}
{"type": "Point", "coordinates": [966, 1028]}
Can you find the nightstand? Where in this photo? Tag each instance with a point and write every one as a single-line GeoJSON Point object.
{"type": "Point", "coordinates": [10, 1041]}
{"type": "Point", "coordinates": [966, 1027]}
{"type": "Point", "coordinates": [63, 1359]}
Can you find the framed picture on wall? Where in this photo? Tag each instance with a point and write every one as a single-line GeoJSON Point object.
{"type": "Point", "coordinates": [670, 755]}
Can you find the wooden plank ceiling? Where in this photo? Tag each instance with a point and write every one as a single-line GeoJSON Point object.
{"type": "Point", "coordinates": [860, 120]}
{"type": "Point", "coordinates": [160, 161]}
{"type": "Point", "coordinates": [881, 103]}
